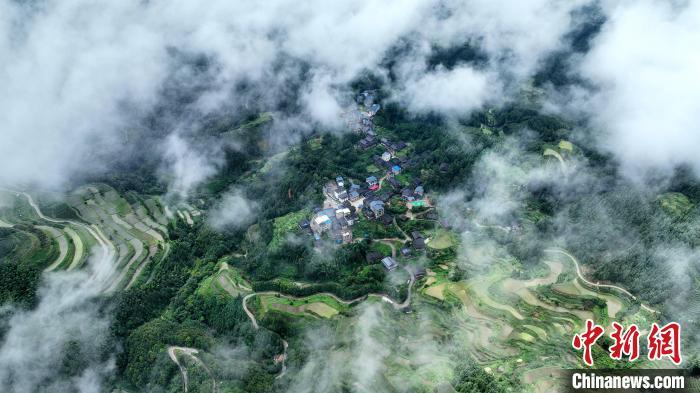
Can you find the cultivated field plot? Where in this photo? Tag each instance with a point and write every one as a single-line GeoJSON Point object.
{"type": "Point", "coordinates": [61, 232]}
{"type": "Point", "coordinates": [320, 305]}
{"type": "Point", "coordinates": [523, 328]}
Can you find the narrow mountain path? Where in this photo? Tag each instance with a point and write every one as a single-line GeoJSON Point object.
{"type": "Point", "coordinates": [192, 354]}
{"type": "Point", "coordinates": [598, 285]}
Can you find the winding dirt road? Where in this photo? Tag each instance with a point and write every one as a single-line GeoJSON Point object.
{"type": "Point", "coordinates": [192, 354]}
{"type": "Point", "coordinates": [598, 285]}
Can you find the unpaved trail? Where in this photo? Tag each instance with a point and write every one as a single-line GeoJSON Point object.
{"type": "Point", "coordinates": [598, 285]}
{"type": "Point", "coordinates": [192, 354]}
{"type": "Point", "coordinates": [390, 244]}
{"type": "Point", "coordinates": [183, 369]}
{"type": "Point", "coordinates": [3, 224]}
{"type": "Point", "coordinates": [285, 344]}
{"type": "Point", "coordinates": [522, 289]}
{"type": "Point", "coordinates": [79, 248]}
{"type": "Point", "coordinates": [405, 235]}
{"type": "Point", "coordinates": [502, 228]}
{"type": "Point", "coordinates": [62, 245]}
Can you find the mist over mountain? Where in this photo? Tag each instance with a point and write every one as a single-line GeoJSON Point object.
{"type": "Point", "coordinates": [178, 161]}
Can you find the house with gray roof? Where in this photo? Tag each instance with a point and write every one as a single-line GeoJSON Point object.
{"type": "Point", "coordinates": [389, 263]}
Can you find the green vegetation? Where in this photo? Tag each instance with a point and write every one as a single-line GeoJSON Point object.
{"type": "Point", "coordinates": [676, 204]}
{"type": "Point", "coordinates": [287, 224]}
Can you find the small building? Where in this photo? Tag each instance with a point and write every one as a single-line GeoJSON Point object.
{"type": "Point", "coordinates": [419, 273]}
{"type": "Point", "coordinates": [398, 146]}
{"type": "Point", "coordinates": [377, 207]}
{"type": "Point", "coordinates": [407, 195]}
{"type": "Point", "coordinates": [378, 162]}
{"type": "Point", "coordinates": [343, 196]}
{"type": "Point", "coordinates": [418, 240]}
{"type": "Point", "coordinates": [386, 156]}
{"type": "Point", "coordinates": [419, 191]}
{"type": "Point", "coordinates": [304, 224]}
{"type": "Point", "coordinates": [367, 142]}
{"type": "Point", "coordinates": [395, 184]}
{"type": "Point", "coordinates": [353, 195]}
{"type": "Point", "coordinates": [341, 213]}
{"type": "Point", "coordinates": [406, 252]}
{"type": "Point", "coordinates": [395, 169]}
{"type": "Point", "coordinates": [389, 263]}
{"type": "Point", "coordinates": [340, 182]}
{"type": "Point", "coordinates": [387, 219]}
{"type": "Point", "coordinates": [321, 223]}
{"type": "Point", "coordinates": [371, 180]}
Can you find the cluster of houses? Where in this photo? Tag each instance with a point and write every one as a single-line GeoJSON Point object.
{"type": "Point", "coordinates": [345, 200]}
{"type": "Point", "coordinates": [360, 119]}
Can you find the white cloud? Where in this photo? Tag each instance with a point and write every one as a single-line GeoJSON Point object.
{"type": "Point", "coordinates": [455, 91]}
{"type": "Point", "coordinates": [645, 64]}
{"type": "Point", "coordinates": [76, 73]}
{"type": "Point", "coordinates": [234, 210]}
{"type": "Point", "coordinates": [186, 167]}
{"type": "Point", "coordinates": [34, 345]}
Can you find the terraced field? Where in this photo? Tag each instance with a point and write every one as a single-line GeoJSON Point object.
{"type": "Point", "coordinates": [521, 328]}
{"type": "Point", "coordinates": [130, 230]}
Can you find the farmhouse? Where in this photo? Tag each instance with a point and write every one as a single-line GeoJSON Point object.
{"type": "Point", "coordinates": [377, 207]}
{"type": "Point", "coordinates": [386, 156]}
{"type": "Point", "coordinates": [373, 183]}
{"type": "Point", "coordinates": [367, 142]}
{"type": "Point", "coordinates": [389, 263]}
{"type": "Point", "coordinates": [418, 241]}
{"type": "Point", "coordinates": [321, 223]}
{"type": "Point", "coordinates": [395, 184]}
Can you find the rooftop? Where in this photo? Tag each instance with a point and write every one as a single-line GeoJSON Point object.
{"type": "Point", "coordinates": [389, 263]}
